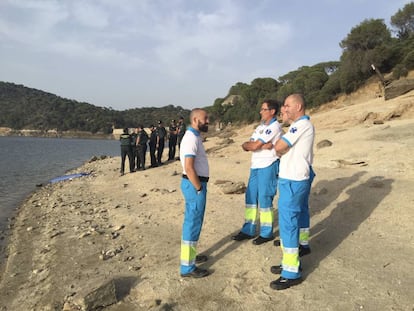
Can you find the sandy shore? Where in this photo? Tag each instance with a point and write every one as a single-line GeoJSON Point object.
{"type": "Point", "coordinates": [76, 235]}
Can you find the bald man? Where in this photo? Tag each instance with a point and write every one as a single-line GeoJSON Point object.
{"type": "Point", "coordinates": [194, 161]}
{"type": "Point", "coordinates": [295, 175]}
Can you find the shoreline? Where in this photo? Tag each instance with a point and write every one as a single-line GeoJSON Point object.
{"type": "Point", "coordinates": [74, 236]}
{"type": "Point", "coordinates": [9, 132]}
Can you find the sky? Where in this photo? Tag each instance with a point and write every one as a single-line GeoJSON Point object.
{"type": "Point", "coordinates": [124, 54]}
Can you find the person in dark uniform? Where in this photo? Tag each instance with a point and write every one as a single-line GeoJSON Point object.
{"type": "Point", "coordinates": [161, 135]}
{"type": "Point", "coordinates": [134, 137]}
{"type": "Point", "coordinates": [172, 140]}
{"type": "Point", "coordinates": [153, 145]}
{"type": "Point", "coordinates": [141, 145]}
{"type": "Point", "coordinates": [180, 131]}
{"type": "Point", "coordinates": [126, 150]}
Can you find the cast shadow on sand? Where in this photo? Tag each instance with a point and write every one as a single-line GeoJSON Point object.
{"type": "Point", "coordinates": [346, 217]}
{"type": "Point", "coordinates": [332, 188]}
{"type": "Point", "coordinates": [123, 286]}
{"type": "Point", "coordinates": [220, 249]}
{"type": "Point", "coordinates": [322, 195]}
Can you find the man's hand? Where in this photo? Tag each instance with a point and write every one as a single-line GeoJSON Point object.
{"type": "Point", "coordinates": [252, 145]}
{"type": "Point", "coordinates": [268, 146]}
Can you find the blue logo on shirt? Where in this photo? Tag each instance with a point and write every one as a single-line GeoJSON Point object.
{"type": "Point", "coordinates": [268, 131]}
{"type": "Point", "coordinates": [293, 130]}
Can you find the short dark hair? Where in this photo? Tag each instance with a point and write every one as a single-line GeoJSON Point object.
{"type": "Point", "coordinates": [273, 104]}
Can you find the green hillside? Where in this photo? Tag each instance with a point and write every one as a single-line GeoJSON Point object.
{"type": "Point", "coordinates": [27, 108]}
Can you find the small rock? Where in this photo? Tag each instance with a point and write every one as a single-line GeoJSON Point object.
{"type": "Point", "coordinates": [234, 188]}
{"type": "Point", "coordinates": [98, 298]}
{"type": "Point", "coordinates": [321, 191]}
{"type": "Point", "coordinates": [83, 235]}
{"type": "Point", "coordinates": [120, 227]}
{"type": "Point", "coordinates": [324, 143]}
{"type": "Point", "coordinates": [37, 271]}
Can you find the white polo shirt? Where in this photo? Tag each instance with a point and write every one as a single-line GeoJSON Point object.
{"type": "Point", "coordinates": [295, 164]}
{"type": "Point", "coordinates": [192, 146]}
{"type": "Point", "coordinates": [265, 133]}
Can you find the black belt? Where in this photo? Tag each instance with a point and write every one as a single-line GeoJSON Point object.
{"type": "Point", "coordinates": [201, 178]}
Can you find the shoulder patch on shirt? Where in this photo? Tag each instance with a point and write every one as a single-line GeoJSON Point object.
{"type": "Point", "coordinates": [293, 130]}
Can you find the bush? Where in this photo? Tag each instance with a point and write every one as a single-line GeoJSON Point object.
{"type": "Point", "coordinates": [399, 71]}
{"type": "Point", "coordinates": [409, 61]}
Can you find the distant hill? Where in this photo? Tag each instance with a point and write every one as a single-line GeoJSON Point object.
{"type": "Point", "coordinates": [22, 107]}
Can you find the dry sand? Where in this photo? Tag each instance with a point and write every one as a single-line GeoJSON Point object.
{"type": "Point", "coordinates": [74, 236]}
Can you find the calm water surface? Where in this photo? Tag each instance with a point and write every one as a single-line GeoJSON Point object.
{"type": "Point", "coordinates": [27, 161]}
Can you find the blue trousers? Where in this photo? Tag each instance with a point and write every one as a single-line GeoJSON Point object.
{"type": "Point", "coordinates": [195, 205]}
{"type": "Point", "coordinates": [304, 218]}
{"type": "Point", "coordinates": [293, 202]}
{"type": "Point", "coordinates": [260, 192]}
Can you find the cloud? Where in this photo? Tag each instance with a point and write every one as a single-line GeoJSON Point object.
{"type": "Point", "coordinates": [274, 35]}
{"type": "Point", "coordinates": [90, 16]}
{"type": "Point", "coordinates": [30, 22]}
{"type": "Point", "coordinates": [202, 45]}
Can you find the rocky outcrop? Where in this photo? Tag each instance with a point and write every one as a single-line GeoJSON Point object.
{"type": "Point", "coordinates": [399, 87]}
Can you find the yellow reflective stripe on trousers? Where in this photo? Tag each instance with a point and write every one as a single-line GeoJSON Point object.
{"type": "Point", "coordinates": [304, 236]}
{"type": "Point", "coordinates": [250, 213]}
{"type": "Point", "coordinates": [290, 260]}
{"type": "Point", "coordinates": [188, 252]}
{"type": "Point", "coordinates": [266, 216]}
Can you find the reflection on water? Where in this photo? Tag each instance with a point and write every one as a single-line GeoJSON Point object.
{"type": "Point", "coordinates": [27, 161]}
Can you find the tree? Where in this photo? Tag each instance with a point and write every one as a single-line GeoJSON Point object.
{"type": "Point", "coordinates": [306, 80]}
{"type": "Point", "coordinates": [403, 21]}
{"type": "Point", "coordinates": [368, 43]}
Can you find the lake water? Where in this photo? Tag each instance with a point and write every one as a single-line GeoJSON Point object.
{"type": "Point", "coordinates": [26, 162]}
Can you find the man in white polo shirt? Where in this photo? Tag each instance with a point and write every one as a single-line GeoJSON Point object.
{"type": "Point", "coordinates": [194, 161]}
{"type": "Point", "coordinates": [264, 169]}
{"type": "Point", "coordinates": [304, 219]}
{"type": "Point", "coordinates": [296, 151]}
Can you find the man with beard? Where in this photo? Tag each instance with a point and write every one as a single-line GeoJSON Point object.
{"type": "Point", "coordinates": [194, 161]}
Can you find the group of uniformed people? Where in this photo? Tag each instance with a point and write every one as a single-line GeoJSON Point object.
{"type": "Point", "coordinates": [135, 145]}
{"type": "Point", "coordinates": [279, 161]}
